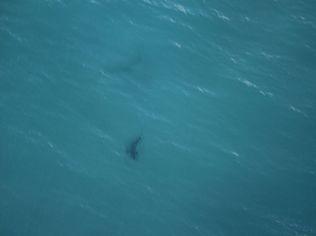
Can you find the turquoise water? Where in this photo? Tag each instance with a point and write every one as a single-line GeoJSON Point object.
{"type": "Point", "coordinates": [221, 92]}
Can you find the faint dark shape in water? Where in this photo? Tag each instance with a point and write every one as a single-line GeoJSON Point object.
{"type": "Point", "coordinates": [126, 64]}
{"type": "Point", "coordinates": [131, 150]}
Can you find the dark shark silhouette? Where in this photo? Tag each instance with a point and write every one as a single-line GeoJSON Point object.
{"type": "Point", "coordinates": [132, 148]}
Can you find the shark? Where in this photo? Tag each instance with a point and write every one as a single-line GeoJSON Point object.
{"type": "Point", "coordinates": [132, 147]}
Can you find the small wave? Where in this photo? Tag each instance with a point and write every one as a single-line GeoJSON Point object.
{"type": "Point", "coordinates": [152, 115]}
{"type": "Point", "coordinates": [248, 83]}
{"type": "Point", "coordinates": [168, 18]}
{"type": "Point", "coordinates": [95, 2]}
{"type": "Point", "coordinates": [99, 133]}
{"type": "Point", "coordinates": [292, 108]}
{"type": "Point", "coordinates": [199, 88]}
{"type": "Point", "coordinates": [256, 87]}
{"type": "Point", "coordinates": [180, 8]}
{"type": "Point", "coordinates": [221, 15]}
{"type": "Point", "coordinates": [181, 147]}
{"type": "Point", "coordinates": [169, 5]}
{"type": "Point", "coordinates": [11, 34]}
{"type": "Point", "coordinates": [269, 56]}
{"type": "Point", "coordinates": [205, 91]}
{"type": "Point", "coordinates": [178, 45]}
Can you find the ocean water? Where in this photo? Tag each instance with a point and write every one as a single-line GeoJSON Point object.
{"type": "Point", "coordinates": [222, 94]}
